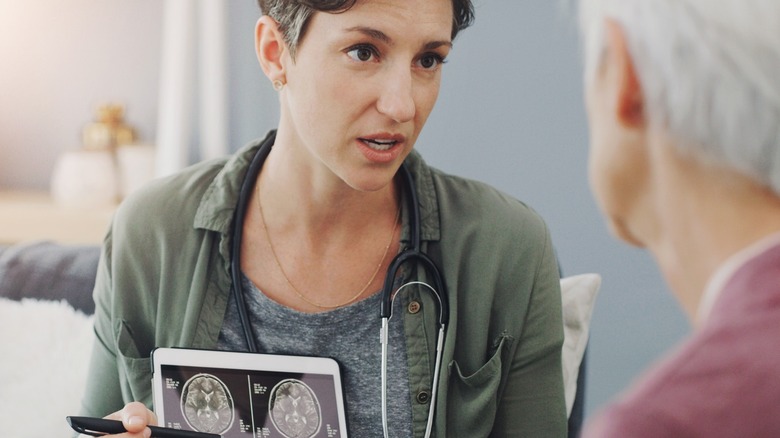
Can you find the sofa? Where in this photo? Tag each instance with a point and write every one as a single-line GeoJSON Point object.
{"type": "Point", "coordinates": [46, 334]}
{"type": "Point", "coordinates": [46, 310]}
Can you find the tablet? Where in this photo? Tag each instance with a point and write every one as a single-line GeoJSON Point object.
{"type": "Point", "coordinates": [241, 395]}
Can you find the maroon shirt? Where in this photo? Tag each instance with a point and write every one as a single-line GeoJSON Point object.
{"type": "Point", "coordinates": [724, 381]}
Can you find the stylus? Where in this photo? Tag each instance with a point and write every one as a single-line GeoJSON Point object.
{"type": "Point", "coordinates": [100, 426]}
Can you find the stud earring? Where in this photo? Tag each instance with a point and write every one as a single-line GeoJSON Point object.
{"type": "Point", "coordinates": [278, 85]}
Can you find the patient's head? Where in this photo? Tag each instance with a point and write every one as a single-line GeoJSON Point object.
{"type": "Point", "coordinates": [709, 74]}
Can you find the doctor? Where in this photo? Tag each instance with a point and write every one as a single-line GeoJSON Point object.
{"type": "Point", "coordinates": [356, 82]}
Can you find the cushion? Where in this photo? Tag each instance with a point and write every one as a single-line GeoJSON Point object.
{"type": "Point", "coordinates": [47, 270]}
{"type": "Point", "coordinates": [578, 293]}
{"type": "Point", "coordinates": [46, 351]}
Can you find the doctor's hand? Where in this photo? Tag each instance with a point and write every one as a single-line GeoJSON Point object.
{"type": "Point", "coordinates": [135, 418]}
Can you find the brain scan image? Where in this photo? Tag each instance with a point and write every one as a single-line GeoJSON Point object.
{"type": "Point", "coordinates": [207, 404]}
{"type": "Point", "coordinates": [294, 409]}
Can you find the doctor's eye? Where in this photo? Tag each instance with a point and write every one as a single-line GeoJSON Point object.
{"type": "Point", "coordinates": [430, 61]}
{"type": "Point", "coordinates": [362, 53]}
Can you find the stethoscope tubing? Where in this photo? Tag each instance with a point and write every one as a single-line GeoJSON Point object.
{"type": "Point", "coordinates": [436, 367]}
{"type": "Point", "coordinates": [412, 255]}
{"type": "Point", "coordinates": [245, 194]}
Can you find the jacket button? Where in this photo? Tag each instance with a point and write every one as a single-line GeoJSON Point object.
{"type": "Point", "coordinates": [414, 307]}
{"type": "Point", "coordinates": [423, 397]}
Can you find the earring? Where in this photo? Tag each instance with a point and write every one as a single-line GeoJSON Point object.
{"type": "Point", "coordinates": [278, 85]}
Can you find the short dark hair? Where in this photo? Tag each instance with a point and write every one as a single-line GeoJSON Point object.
{"type": "Point", "coordinates": [294, 15]}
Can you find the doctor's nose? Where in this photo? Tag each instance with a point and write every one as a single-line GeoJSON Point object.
{"type": "Point", "coordinates": [396, 98]}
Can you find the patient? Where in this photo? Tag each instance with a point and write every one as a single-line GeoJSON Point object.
{"type": "Point", "coordinates": [683, 100]}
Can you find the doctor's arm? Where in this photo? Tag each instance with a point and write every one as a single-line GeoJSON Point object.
{"type": "Point", "coordinates": [103, 394]}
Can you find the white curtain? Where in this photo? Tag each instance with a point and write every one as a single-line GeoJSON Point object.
{"type": "Point", "coordinates": [192, 83]}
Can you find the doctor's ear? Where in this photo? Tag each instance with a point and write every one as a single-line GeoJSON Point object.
{"type": "Point", "coordinates": [270, 48]}
{"type": "Point", "coordinates": [629, 104]}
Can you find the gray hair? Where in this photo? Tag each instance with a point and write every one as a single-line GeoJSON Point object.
{"type": "Point", "coordinates": [710, 74]}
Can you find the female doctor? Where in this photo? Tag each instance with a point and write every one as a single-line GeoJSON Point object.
{"type": "Point", "coordinates": [325, 216]}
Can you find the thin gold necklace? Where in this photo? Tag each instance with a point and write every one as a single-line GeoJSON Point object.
{"type": "Point", "coordinates": [292, 286]}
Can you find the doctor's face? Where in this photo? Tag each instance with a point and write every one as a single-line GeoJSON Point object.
{"type": "Point", "coordinates": [362, 85]}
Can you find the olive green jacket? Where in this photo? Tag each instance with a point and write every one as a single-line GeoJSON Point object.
{"type": "Point", "coordinates": [164, 280]}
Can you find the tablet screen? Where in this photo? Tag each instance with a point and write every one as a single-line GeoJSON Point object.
{"type": "Point", "coordinates": [251, 397]}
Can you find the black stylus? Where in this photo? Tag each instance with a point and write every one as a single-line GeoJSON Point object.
{"type": "Point", "coordinates": [100, 426]}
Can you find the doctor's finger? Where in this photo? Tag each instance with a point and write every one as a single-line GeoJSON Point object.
{"type": "Point", "coordinates": [135, 417]}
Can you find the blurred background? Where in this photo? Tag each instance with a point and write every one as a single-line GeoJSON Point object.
{"type": "Point", "coordinates": [510, 113]}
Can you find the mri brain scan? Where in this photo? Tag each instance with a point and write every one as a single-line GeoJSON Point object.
{"type": "Point", "coordinates": [294, 409]}
{"type": "Point", "coordinates": [207, 404]}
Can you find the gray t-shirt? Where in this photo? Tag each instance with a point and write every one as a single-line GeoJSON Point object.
{"type": "Point", "coordinates": [350, 335]}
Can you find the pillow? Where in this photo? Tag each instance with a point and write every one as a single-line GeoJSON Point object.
{"type": "Point", "coordinates": [578, 293]}
{"type": "Point", "coordinates": [52, 271]}
{"type": "Point", "coordinates": [46, 351]}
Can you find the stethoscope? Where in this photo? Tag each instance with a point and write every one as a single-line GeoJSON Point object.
{"type": "Point", "coordinates": [412, 254]}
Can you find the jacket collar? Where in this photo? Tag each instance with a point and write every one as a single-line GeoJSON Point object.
{"type": "Point", "coordinates": [218, 203]}
{"type": "Point", "coordinates": [422, 174]}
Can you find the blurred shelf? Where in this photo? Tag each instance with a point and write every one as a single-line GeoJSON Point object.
{"type": "Point", "coordinates": [33, 215]}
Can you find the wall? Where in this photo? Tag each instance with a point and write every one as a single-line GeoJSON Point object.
{"type": "Point", "coordinates": [510, 113]}
{"type": "Point", "coordinates": [58, 62]}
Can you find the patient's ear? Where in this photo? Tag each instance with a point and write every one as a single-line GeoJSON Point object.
{"type": "Point", "coordinates": [270, 48]}
{"type": "Point", "coordinates": [629, 105]}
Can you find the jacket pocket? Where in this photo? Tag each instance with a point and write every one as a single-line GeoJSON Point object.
{"type": "Point", "coordinates": [135, 369]}
{"type": "Point", "coordinates": [474, 398]}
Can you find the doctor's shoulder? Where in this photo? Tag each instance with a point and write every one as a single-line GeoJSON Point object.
{"type": "Point", "coordinates": [471, 206]}
{"type": "Point", "coordinates": [166, 204]}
